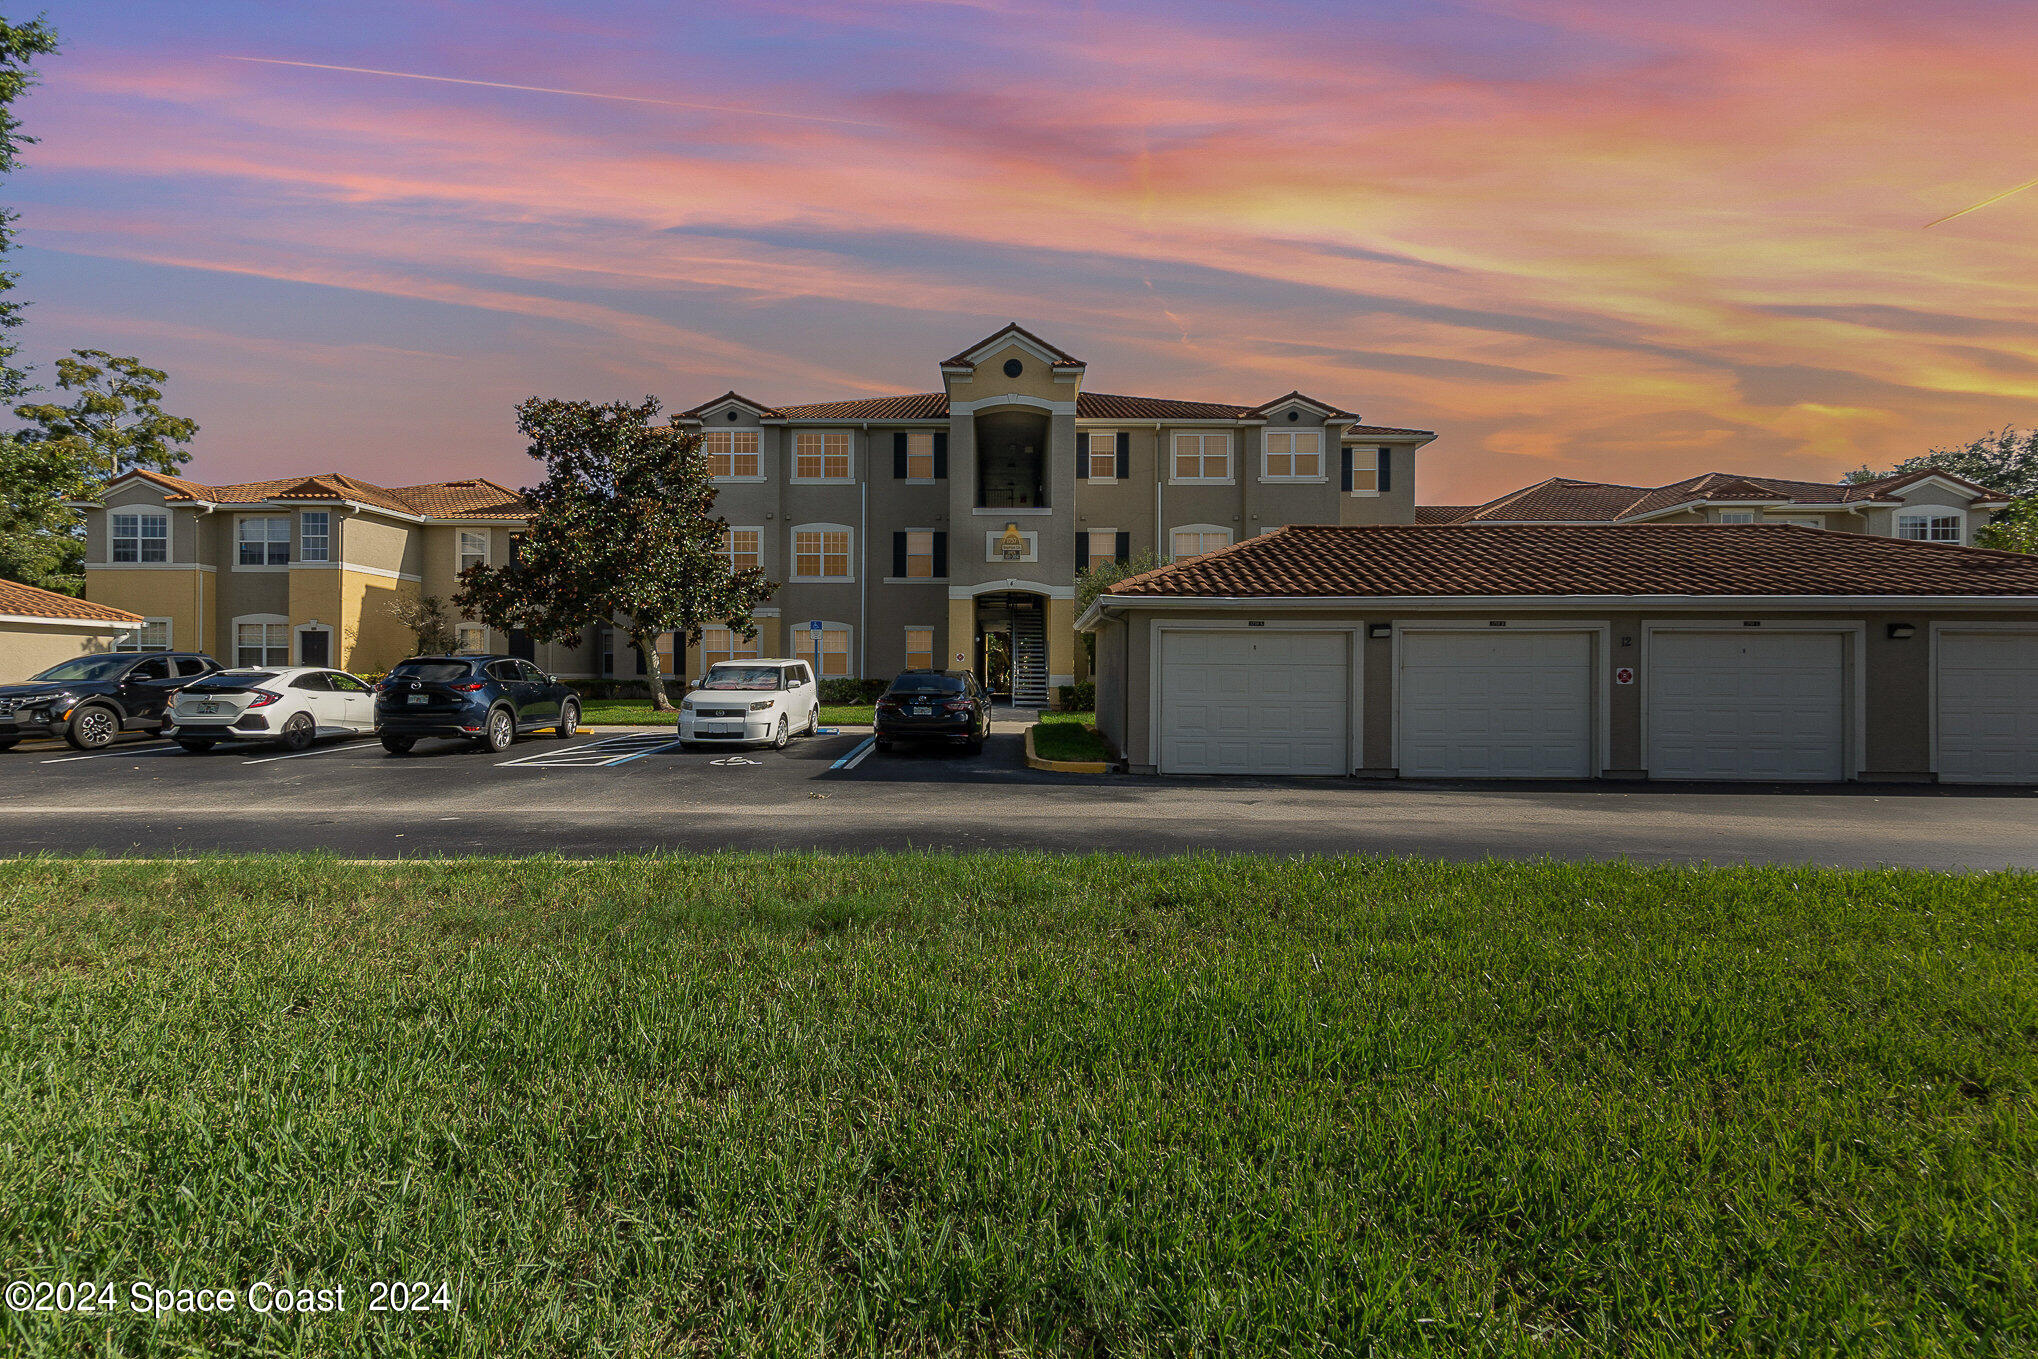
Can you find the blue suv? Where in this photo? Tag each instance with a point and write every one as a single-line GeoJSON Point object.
{"type": "Point", "coordinates": [488, 700]}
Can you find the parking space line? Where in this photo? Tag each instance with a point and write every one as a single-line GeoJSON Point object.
{"type": "Point", "coordinates": [163, 749]}
{"type": "Point", "coordinates": [302, 754]}
{"type": "Point", "coordinates": [856, 756]}
{"type": "Point", "coordinates": [640, 754]}
{"type": "Point", "coordinates": [609, 750]}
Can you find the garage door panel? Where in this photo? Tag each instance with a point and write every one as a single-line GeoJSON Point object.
{"type": "Point", "coordinates": [1987, 706]}
{"type": "Point", "coordinates": [1730, 705]}
{"type": "Point", "coordinates": [1495, 705]}
{"type": "Point", "coordinates": [1254, 702]}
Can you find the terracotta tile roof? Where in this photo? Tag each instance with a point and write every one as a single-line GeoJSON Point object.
{"type": "Point", "coordinates": [472, 497]}
{"type": "Point", "coordinates": [1363, 432]}
{"type": "Point", "coordinates": [31, 602]}
{"type": "Point", "coordinates": [1443, 561]}
{"type": "Point", "coordinates": [1442, 514]}
{"type": "Point", "coordinates": [1563, 499]}
{"type": "Point", "coordinates": [918, 406]}
{"type": "Point", "coordinates": [724, 399]}
{"type": "Point", "coordinates": [1059, 357]}
{"type": "Point", "coordinates": [1105, 406]}
{"type": "Point", "coordinates": [1323, 406]}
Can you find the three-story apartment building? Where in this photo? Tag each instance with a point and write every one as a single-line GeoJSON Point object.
{"type": "Point", "coordinates": [932, 529]}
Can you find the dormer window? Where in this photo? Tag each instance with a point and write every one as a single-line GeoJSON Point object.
{"type": "Point", "coordinates": [1929, 528]}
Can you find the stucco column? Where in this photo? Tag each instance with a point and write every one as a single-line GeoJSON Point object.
{"type": "Point", "coordinates": [962, 632]}
{"type": "Point", "coordinates": [1061, 643]}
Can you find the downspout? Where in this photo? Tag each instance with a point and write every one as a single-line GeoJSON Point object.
{"type": "Point", "coordinates": [863, 576]}
{"type": "Point", "coordinates": [198, 585]}
{"type": "Point", "coordinates": [1160, 463]}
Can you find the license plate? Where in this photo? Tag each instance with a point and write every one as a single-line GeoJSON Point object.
{"type": "Point", "coordinates": [208, 707]}
{"type": "Point", "coordinates": [419, 698]}
{"type": "Point", "coordinates": [923, 712]}
{"type": "Point", "coordinates": [723, 729]}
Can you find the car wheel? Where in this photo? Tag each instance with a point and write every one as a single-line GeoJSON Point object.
{"type": "Point", "coordinates": [569, 721]}
{"type": "Point", "coordinates": [813, 721]}
{"type": "Point", "coordinates": [92, 727]}
{"type": "Point", "coordinates": [198, 747]}
{"type": "Point", "coordinates": [398, 745]}
{"type": "Point", "coordinates": [299, 732]}
{"type": "Point", "coordinates": [500, 731]}
{"type": "Point", "coordinates": [782, 735]}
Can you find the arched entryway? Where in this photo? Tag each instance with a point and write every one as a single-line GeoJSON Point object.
{"type": "Point", "coordinates": [1011, 646]}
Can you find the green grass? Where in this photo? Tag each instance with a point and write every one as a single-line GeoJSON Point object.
{"type": "Point", "coordinates": [1025, 1105]}
{"type": "Point", "coordinates": [622, 712]}
{"type": "Point", "coordinates": [1068, 736]}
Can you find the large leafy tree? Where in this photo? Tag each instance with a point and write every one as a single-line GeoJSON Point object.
{"type": "Point", "coordinates": [113, 421]}
{"type": "Point", "coordinates": [2006, 461]}
{"type": "Point", "coordinates": [622, 532]}
{"type": "Point", "coordinates": [33, 482]}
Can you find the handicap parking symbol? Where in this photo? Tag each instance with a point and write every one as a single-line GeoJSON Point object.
{"type": "Point", "coordinates": [734, 759]}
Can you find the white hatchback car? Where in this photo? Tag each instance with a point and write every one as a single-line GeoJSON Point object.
{"type": "Point", "coordinates": [743, 701]}
{"type": "Point", "coordinates": [294, 705]}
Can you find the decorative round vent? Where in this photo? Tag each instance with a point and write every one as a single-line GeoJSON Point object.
{"type": "Point", "coordinates": [1294, 415]}
{"type": "Point", "coordinates": [731, 416]}
{"type": "Point", "coordinates": [1013, 368]}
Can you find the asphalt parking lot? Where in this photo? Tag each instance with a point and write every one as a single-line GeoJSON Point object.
{"type": "Point", "coordinates": [611, 791]}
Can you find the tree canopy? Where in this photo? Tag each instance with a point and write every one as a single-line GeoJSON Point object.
{"type": "Point", "coordinates": [2005, 460]}
{"type": "Point", "coordinates": [622, 532]}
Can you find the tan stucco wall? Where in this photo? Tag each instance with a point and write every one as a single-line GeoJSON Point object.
{"type": "Point", "coordinates": [186, 596]}
{"type": "Point", "coordinates": [1035, 379]}
{"type": "Point", "coordinates": [31, 648]}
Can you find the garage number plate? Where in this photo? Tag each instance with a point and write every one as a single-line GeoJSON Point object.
{"type": "Point", "coordinates": [420, 698]}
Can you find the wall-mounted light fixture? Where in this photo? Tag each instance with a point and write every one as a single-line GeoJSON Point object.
{"type": "Point", "coordinates": [1902, 632]}
{"type": "Point", "coordinates": [1379, 630]}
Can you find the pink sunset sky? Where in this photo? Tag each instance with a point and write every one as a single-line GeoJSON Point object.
{"type": "Point", "coordinates": [1629, 241]}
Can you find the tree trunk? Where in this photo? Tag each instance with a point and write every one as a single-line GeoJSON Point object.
{"type": "Point", "coordinates": [647, 649]}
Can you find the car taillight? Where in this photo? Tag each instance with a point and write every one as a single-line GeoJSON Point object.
{"type": "Point", "coordinates": [889, 704]}
{"type": "Point", "coordinates": [263, 698]}
{"type": "Point", "coordinates": [378, 686]}
{"type": "Point", "coordinates": [959, 706]}
{"type": "Point", "coordinates": [469, 687]}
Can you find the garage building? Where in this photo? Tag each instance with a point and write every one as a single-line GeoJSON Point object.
{"type": "Point", "coordinates": [1693, 651]}
{"type": "Point", "coordinates": [39, 628]}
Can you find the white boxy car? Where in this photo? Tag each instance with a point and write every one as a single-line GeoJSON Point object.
{"type": "Point", "coordinates": [751, 701]}
{"type": "Point", "coordinates": [292, 705]}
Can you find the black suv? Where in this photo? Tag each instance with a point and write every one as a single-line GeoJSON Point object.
{"type": "Point", "coordinates": [485, 699]}
{"type": "Point", "coordinates": [90, 700]}
{"type": "Point", "coordinates": [934, 705]}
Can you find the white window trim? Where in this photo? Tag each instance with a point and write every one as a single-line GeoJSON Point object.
{"type": "Point", "coordinates": [1230, 477]}
{"type": "Point", "coordinates": [267, 621]}
{"type": "Point", "coordinates": [933, 651]}
{"type": "Point", "coordinates": [736, 480]}
{"type": "Point", "coordinates": [487, 549]}
{"type": "Point", "coordinates": [757, 529]}
{"type": "Point", "coordinates": [1321, 474]}
{"type": "Point", "coordinates": [1751, 517]}
{"type": "Point", "coordinates": [794, 454]}
{"type": "Point", "coordinates": [303, 515]}
{"type": "Point", "coordinates": [910, 479]}
{"type": "Point", "coordinates": [800, 645]}
{"type": "Point", "coordinates": [1799, 520]}
{"type": "Point", "coordinates": [1198, 528]}
{"type": "Point", "coordinates": [1090, 546]}
{"type": "Point", "coordinates": [169, 536]}
{"type": "Point", "coordinates": [1090, 456]}
{"type": "Point", "coordinates": [1928, 513]}
{"type": "Point", "coordinates": [289, 545]}
{"type": "Point", "coordinates": [793, 553]}
{"type": "Point", "coordinates": [169, 636]}
{"type": "Point", "coordinates": [459, 628]}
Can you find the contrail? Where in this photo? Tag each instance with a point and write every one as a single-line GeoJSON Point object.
{"type": "Point", "coordinates": [547, 89]}
{"type": "Point", "coordinates": [2029, 183]}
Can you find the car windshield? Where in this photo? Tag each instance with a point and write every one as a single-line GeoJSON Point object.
{"type": "Point", "coordinates": [927, 684]}
{"type": "Point", "coordinates": [229, 681]}
{"type": "Point", "coordinates": [432, 672]}
{"type": "Point", "coordinates": [87, 668]}
{"type": "Point", "coordinates": [741, 677]}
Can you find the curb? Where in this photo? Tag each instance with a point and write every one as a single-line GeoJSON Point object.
{"type": "Point", "coordinates": [1062, 766]}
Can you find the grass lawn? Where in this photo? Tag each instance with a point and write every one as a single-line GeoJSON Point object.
{"type": "Point", "coordinates": [638, 712]}
{"type": "Point", "coordinates": [1068, 736]}
{"type": "Point", "coordinates": [1011, 1104]}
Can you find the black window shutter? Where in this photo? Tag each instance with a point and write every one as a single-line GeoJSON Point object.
{"type": "Point", "coordinates": [899, 456]}
{"type": "Point", "coordinates": [1125, 455]}
{"type": "Point", "coordinates": [1386, 469]}
{"type": "Point", "coordinates": [899, 556]}
{"type": "Point", "coordinates": [1123, 550]}
{"type": "Point", "coordinates": [1082, 455]}
{"type": "Point", "coordinates": [1082, 551]}
{"type": "Point", "coordinates": [940, 554]}
{"type": "Point", "coordinates": [941, 453]}
{"type": "Point", "coordinates": [1344, 469]}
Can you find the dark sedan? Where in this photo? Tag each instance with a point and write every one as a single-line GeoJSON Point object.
{"type": "Point", "coordinates": [934, 705]}
{"type": "Point", "coordinates": [91, 700]}
{"type": "Point", "coordinates": [489, 700]}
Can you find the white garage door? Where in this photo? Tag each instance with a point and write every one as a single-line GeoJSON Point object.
{"type": "Point", "coordinates": [1747, 705]}
{"type": "Point", "coordinates": [1495, 705]}
{"type": "Point", "coordinates": [1255, 702]}
{"type": "Point", "coordinates": [1988, 707]}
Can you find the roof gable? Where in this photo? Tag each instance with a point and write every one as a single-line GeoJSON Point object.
{"type": "Point", "coordinates": [1013, 332]}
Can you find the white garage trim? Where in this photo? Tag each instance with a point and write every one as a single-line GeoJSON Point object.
{"type": "Point", "coordinates": [1933, 634]}
{"type": "Point", "coordinates": [1353, 631]}
{"type": "Point", "coordinates": [1854, 716]}
{"type": "Point", "coordinates": [1600, 720]}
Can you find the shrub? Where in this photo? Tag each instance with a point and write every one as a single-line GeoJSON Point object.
{"type": "Point", "coordinates": [846, 691]}
{"type": "Point", "coordinates": [1078, 698]}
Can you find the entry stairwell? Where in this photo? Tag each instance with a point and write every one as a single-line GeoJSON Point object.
{"type": "Point", "coordinates": [1029, 659]}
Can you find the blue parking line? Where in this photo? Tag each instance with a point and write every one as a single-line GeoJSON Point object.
{"type": "Point", "coordinates": [854, 755]}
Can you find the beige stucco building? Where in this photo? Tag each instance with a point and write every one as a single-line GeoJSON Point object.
{"type": "Point", "coordinates": [40, 628]}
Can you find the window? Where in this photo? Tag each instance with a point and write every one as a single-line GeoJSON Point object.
{"type": "Point", "coordinates": [1929, 528]}
{"type": "Point", "coordinates": [743, 548]}
{"type": "Point", "coordinates": [821, 455]}
{"type": "Point", "coordinates": [1803, 523]}
{"type": "Point", "coordinates": [1102, 545]}
{"type": "Point", "coordinates": [719, 644]}
{"type": "Point", "coordinates": [471, 638]}
{"type": "Point", "coordinates": [1197, 539]}
{"type": "Point", "coordinates": [152, 635]}
{"type": "Point", "coordinates": [834, 652]}
{"type": "Point", "coordinates": [262, 643]}
{"type": "Point", "coordinates": [821, 553]}
{"type": "Point", "coordinates": [920, 455]}
{"type": "Point", "coordinates": [919, 648]}
{"type": "Point", "coordinates": [1737, 516]}
{"type": "Point", "coordinates": [265, 542]}
{"type": "Point", "coordinates": [1292, 455]}
{"type": "Point", "coordinates": [1102, 447]}
{"type": "Point", "coordinates": [919, 555]}
{"type": "Point", "coordinates": [141, 537]}
{"type": "Point", "coordinates": [731, 452]}
{"type": "Point", "coordinates": [473, 549]}
{"type": "Point", "coordinates": [315, 536]}
{"type": "Point", "coordinates": [1203, 457]}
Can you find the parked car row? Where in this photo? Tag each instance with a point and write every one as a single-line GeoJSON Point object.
{"type": "Point", "coordinates": [489, 700]}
